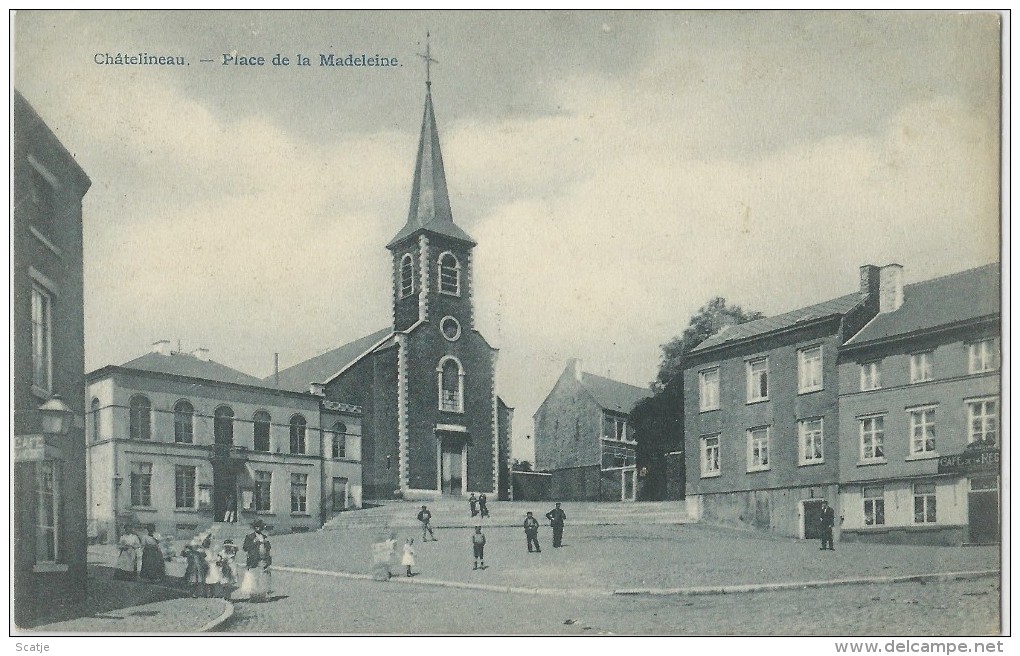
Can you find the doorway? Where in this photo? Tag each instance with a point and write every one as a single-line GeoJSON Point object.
{"type": "Point", "coordinates": [339, 494]}
{"type": "Point", "coordinates": [983, 510]}
{"type": "Point", "coordinates": [224, 492]}
{"type": "Point", "coordinates": [629, 487]}
{"type": "Point", "coordinates": [811, 512]}
{"type": "Point", "coordinates": [451, 466]}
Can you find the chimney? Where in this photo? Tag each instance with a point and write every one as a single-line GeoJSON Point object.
{"type": "Point", "coordinates": [201, 353]}
{"type": "Point", "coordinates": [318, 389]}
{"type": "Point", "coordinates": [890, 288]}
{"type": "Point", "coordinates": [576, 364]}
{"type": "Point", "coordinates": [162, 347]}
{"type": "Point", "coordinates": [276, 369]}
{"type": "Point", "coordinates": [869, 281]}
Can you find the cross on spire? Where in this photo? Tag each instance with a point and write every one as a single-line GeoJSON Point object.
{"type": "Point", "coordinates": [428, 60]}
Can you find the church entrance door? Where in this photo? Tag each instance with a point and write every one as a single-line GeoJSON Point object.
{"type": "Point", "coordinates": [451, 464]}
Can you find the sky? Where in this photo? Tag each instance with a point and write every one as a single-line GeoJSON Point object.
{"type": "Point", "coordinates": [617, 170]}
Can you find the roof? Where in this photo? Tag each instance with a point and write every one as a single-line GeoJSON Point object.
{"type": "Point", "coordinates": [944, 301]}
{"type": "Point", "coordinates": [322, 367]}
{"type": "Point", "coordinates": [430, 198]}
{"type": "Point", "coordinates": [835, 307]}
{"type": "Point", "coordinates": [612, 394]}
{"type": "Point", "coordinates": [186, 364]}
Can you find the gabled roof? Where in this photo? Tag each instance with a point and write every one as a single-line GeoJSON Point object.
{"type": "Point", "coordinates": [944, 301]}
{"type": "Point", "coordinates": [430, 198]}
{"type": "Point", "coordinates": [612, 394]}
{"type": "Point", "coordinates": [837, 306]}
{"type": "Point", "coordinates": [322, 367]}
{"type": "Point", "coordinates": [185, 364]}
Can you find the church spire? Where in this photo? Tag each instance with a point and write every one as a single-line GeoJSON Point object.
{"type": "Point", "coordinates": [430, 198]}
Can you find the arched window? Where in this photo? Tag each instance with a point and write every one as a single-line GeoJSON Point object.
{"type": "Point", "coordinates": [451, 385]}
{"type": "Point", "coordinates": [223, 425]}
{"type": "Point", "coordinates": [449, 274]}
{"type": "Point", "coordinates": [406, 275]}
{"type": "Point", "coordinates": [261, 422]}
{"type": "Point", "coordinates": [140, 419]}
{"type": "Point", "coordinates": [339, 440]}
{"type": "Point", "coordinates": [297, 434]}
{"type": "Point", "coordinates": [184, 422]}
{"type": "Point", "coordinates": [96, 426]}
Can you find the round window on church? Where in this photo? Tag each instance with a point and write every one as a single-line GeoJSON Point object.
{"type": "Point", "coordinates": [450, 328]}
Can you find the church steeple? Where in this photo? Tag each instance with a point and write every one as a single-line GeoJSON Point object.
{"type": "Point", "coordinates": [430, 198]}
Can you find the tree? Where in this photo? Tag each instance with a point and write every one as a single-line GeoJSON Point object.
{"type": "Point", "coordinates": [521, 465]}
{"type": "Point", "coordinates": [658, 421]}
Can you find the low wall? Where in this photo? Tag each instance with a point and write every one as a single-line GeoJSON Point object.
{"type": "Point", "coordinates": [530, 486]}
{"type": "Point", "coordinates": [942, 536]}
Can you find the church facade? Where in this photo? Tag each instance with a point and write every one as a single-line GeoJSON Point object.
{"type": "Point", "coordinates": [426, 384]}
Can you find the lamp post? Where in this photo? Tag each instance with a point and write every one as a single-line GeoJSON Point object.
{"type": "Point", "coordinates": [56, 416]}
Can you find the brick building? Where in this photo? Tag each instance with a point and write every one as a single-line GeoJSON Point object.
{"type": "Point", "coordinates": [583, 440]}
{"type": "Point", "coordinates": [919, 409]}
{"type": "Point", "coordinates": [181, 441]}
{"type": "Point", "coordinates": [427, 382]}
{"type": "Point", "coordinates": [761, 415]}
{"type": "Point", "coordinates": [47, 360]}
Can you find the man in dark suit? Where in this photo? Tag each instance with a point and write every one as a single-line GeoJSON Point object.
{"type": "Point", "coordinates": [828, 519]}
{"type": "Point", "coordinates": [556, 518]}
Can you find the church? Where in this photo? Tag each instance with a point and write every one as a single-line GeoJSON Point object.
{"type": "Point", "coordinates": [432, 423]}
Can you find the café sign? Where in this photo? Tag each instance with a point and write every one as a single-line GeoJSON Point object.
{"type": "Point", "coordinates": [33, 448]}
{"type": "Point", "coordinates": [975, 458]}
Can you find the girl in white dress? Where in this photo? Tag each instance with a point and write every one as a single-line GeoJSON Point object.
{"type": "Point", "coordinates": [407, 559]}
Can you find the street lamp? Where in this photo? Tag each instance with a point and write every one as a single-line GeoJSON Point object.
{"type": "Point", "coordinates": [56, 416]}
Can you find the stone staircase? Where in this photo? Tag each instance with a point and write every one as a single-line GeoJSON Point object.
{"type": "Point", "coordinates": [454, 513]}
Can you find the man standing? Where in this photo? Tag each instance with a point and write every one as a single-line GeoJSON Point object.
{"type": "Point", "coordinates": [531, 532]}
{"type": "Point", "coordinates": [556, 517]}
{"type": "Point", "coordinates": [424, 516]}
{"type": "Point", "coordinates": [478, 544]}
{"type": "Point", "coordinates": [828, 519]}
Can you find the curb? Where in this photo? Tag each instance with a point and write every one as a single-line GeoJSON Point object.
{"type": "Point", "coordinates": [228, 612]}
{"type": "Point", "coordinates": [551, 592]}
{"type": "Point", "coordinates": [799, 585]}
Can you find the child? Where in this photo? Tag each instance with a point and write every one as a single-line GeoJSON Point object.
{"type": "Point", "coordinates": [408, 557]}
{"type": "Point", "coordinates": [194, 575]}
{"type": "Point", "coordinates": [478, 542]}
{"type": "Point", "coordinates": [225, 563]}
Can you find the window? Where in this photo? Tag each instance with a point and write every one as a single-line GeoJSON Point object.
{"type": "Point", "coordinates": [141, 484]}
{"type": "Point", "coordinates": [924, 503]}
{"type": "Point", "coordinates": [710, 456]}
{"type": "Point", "coordinates": [982, 356]}
{"type": "Point", "coordinates": [874, 505]}
{"type": "Point", "coordinates": [298, 493]}
{"type": "Point", "coordinates": [758, 449]}
{"type": "Point", "coordinates": [983, 421]}
{"type": "Point", "coordinates": [922, 431]}
{"type": "Point", "coordinates": [223, 425]}
{"type": "Point", "coordinates": [184, 423]}
{"type": "Point", "coordinates": [47, 510]}
{"type": "Point", "coordinates": [43, 197]}
{"type": "Point", "coordinates": [184, 486]}
{"type": "Point", "coordinates": [406, 275]}
{"type": "Point", "coordinates": [809, 369]}
{"type": "Point", "coordinates": [97, 431]}
{"type": "Point", "coordinates": [811, 446]}
{"type": "Point", "coordinates": [263, 491]}
{"type": "Point", "coordinates": [873, 438]}
{"type": "Point", "coordinates": [451, 385]}
{"type": "Point", "coordinates": [614, 428]}
{"type": "Point", "coordinates": [339, 440]}
{"type": "Point", "coordinates": [42, 339]}
{"type": "Point", "coordinates": [140, 419]}
{"type": "Point", "coordinates": [449, 274]}
{"type": "Point", "coordinates": [298, 426]}
{"type": "Point", "coordinates": [709, 385]}
{"type": "Point", "coordinates": [922, 367]}
{"type": "Point", "coordinates": [871, 376]}
{"type": "Point", "coordinates": [757, 380]}
{"type": "Point", "coordinates": [261, 422]}
{"type": "Point", "coordinates": [616, 456]}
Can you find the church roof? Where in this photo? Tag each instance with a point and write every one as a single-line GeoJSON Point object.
{"type": "Point", "coordinates": [430, 198]}
{"type": "Point", "coordinates": [186, 364]}
{"type": "Point", "coordinates": [931, 304]}
{"type": "Point", "coordinates": [323, 367]}
{"type": "Point", "coordinates": [834, 307]}
{"type": "Point", "coordinates": [612, 394]}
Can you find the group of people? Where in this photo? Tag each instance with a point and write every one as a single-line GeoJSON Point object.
{"type": "Point", "coordinates": [209, 571]}
{"type": "Point", "coordinates": [147, 549]}
{"type": "Point", "coordinates": [557, 519]}
{"type": "Point", "coordinates": [478, 506]}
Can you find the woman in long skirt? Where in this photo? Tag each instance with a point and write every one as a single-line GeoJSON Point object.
{"type": "Point", "coordinates": [127, 558]}
{"type": "Point", "coordinates": [228, 569]}
{"type": "Point", "coordinates": [153, 567]}
{"type": "Point", "coordinates": [257, 583]}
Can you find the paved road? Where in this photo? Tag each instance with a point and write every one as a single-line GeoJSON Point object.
{"type": "Point", "coordinates": [315, 604]}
